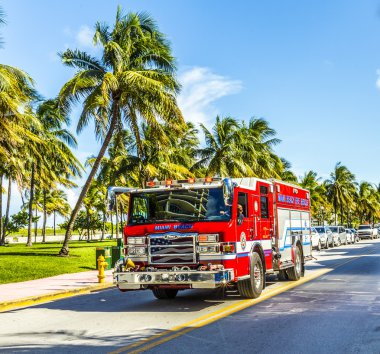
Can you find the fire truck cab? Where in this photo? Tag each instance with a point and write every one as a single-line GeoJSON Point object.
{"type": "Point", "coordinates": [211, 233]}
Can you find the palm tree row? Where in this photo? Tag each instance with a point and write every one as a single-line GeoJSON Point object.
{"type": "Point", "coordinates": [34, 144]}
{"type": "Point", "coordinates": [341, 199]}
{"type": "Point", "coordinates": [129, 92]}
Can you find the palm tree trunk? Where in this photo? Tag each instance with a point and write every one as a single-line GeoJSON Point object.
{"type": "Point", "coordinates": [54, 222]}
{"type": "Point", "coordinates": [44, 218]}
{"type": "Point", "coordinates": [35, 227]}
{"type": "Point", "coordinates": [111, 224]}
{"type": "Point", "coordinates": [140, 148]}
{"type": "Point", "coordinates": [2, 242]}
{"type": "Point", "coordinates": [104, 225]}
{"type": "Point", "coordinates": [5, 226]}
{"type": "Point", "coordinates": [65, 247]}
{"type": "Point", "coordinates": [29, 241]}
{"type": "Point", "coordinates": [88, 226]}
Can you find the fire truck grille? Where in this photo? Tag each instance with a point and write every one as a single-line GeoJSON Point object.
{"type": "Point", "coordinates": [172, 248]}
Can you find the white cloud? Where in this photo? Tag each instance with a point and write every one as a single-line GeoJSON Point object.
{"type": "Point", "coordinates": [84, 36]}
{"type": "Point", "coordinates": [378, 79]}
{"type": "Point", "coordinates": [200, 89]}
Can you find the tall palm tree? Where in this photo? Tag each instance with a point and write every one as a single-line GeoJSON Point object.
{"type": "Point", "coordinates": [221, 155]}
{"type": "Point", "coordinates": [367, 202]}
{"type": "Point", "coordinates": [340, 188]}
{"type": "Point", "coordinates": [286, 174]}
{"type": "Point", "coordinates": [318, 200]}
{"type": "Point", "coordinates": [257, 140]}
{"type": "Point", "coordinates": [132, 82]}
{"type": "Point", "coordinates": [56, 203]}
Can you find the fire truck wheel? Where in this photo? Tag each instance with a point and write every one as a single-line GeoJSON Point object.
{"type": "Point", "coordinates": [294, 273]}
{"type": "Point", "coordinates": [252, 287]}
{"type": "Point", "coordinates": [165, 293]}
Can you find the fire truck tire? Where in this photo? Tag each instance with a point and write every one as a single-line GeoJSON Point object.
{"type": "Point", "coordinates": [165, 293]}
{"type": "Point", "coordinates": [252, 287]}
{"type": "Point", "coordinates": [294, 273]}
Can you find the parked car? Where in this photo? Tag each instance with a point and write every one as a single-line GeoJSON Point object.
{"type": "Point", "coordinates": [350, 236]}
{"type": "Point", "coordinates": [339, 235]}
{"type": "Point", "coordinates": [316, 242]}
{"type": "Point", "coordinates": [357, 238]}
{"type": "Point", "coordinates": [325, 236]}
{"type": "Point", "coordinates": [367, 231]}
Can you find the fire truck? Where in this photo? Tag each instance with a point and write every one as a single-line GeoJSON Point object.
{"type": "Point", "coordinates": [212, 233]}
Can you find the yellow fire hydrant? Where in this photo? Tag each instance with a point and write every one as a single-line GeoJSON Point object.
{"type": "Point", "coordinates": [101, 267]}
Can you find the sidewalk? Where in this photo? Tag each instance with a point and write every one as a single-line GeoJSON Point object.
{"type": "Point", "coordinates": [36, 291]}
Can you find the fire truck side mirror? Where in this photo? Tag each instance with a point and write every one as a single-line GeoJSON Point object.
{"type": "Point", "coordinates": [228, 191]}
{"type": "Point", "coordinates": [111, 200]}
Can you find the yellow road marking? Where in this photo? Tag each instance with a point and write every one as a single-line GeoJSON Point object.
{"type": "Point", "coordinates": [214, 316]}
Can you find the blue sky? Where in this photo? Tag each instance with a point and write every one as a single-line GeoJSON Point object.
{"type": "Point", "coordinates": [311, 68]}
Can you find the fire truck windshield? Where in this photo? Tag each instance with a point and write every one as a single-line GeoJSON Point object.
{"type": "Point", "coordinates": [179, 205]}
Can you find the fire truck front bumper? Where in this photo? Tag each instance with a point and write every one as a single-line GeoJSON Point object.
{"type": "Point", "coordinates": [191, 279]}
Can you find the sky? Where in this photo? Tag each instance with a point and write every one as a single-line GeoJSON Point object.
{"type": "Point", "coordinates": [310, 68]}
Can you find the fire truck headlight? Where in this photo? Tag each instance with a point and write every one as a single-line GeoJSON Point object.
{"type": "Point", "coordinates": [136, 251]}
{"type": "Point", "coordinates": [208, 237]}
{"type": "Point", "coordinates": [136, 240]}
{"type": "Point", "coordinates": [208, 248]}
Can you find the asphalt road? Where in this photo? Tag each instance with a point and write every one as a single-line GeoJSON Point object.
{"type": "Point", "coordinates": [338, 312]}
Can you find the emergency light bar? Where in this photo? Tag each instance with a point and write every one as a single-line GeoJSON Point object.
{"type": "Point", "coordinates": [180, 182]}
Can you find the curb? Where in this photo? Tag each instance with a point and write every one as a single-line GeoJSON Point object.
{"type": "Point", "coordinates": [34, 300]}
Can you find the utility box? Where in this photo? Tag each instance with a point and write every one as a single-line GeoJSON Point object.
{"type": "Point", "coordinates": [106, 253]}
{"type": "Point", "coordinates": [117, 253]}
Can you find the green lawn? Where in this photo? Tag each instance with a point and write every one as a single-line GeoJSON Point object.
{"type": "Point", "coordinates": [20, 263]}
{"type": "Point", "coordinates": [49, 232]}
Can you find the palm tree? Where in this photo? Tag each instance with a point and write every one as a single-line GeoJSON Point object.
{"type": "Point", "coordinates": [257, 141]}
{"type": "Point", "coordinates": [221, 155]}
{"type": "Point", "coordinates": [340, 188]}
{"type": "Point", "coordinates": [56, 203]}
{"type": "Point", "coordinates": [132, 82]}
{"type": "Point", "coordinates": [367, 202]}
{"type": "Point", "coordinates": [318, 200]}
{"type": "Point", "coordinates": [286, 174]}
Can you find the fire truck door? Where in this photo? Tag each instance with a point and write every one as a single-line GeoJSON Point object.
{"type": "Point", "coordinates": [265, 219]}
{"type": "Point", "coordinates": [243, 222]}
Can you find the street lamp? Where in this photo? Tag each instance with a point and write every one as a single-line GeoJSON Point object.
{"type": "Point", "coordinates": [323, 214]}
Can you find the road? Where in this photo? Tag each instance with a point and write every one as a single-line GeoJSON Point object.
{"type": "Point", "coordinates": [337, 312]}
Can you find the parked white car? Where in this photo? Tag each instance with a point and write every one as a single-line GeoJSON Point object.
{"type": "Point", "coordinates": [339, 235]}
{"type": "Point", "coordinates": [367, 231]}
{"type": "Point", "coordinates": [315, 239]}
{"type": "Point", "coordinates": [325, 236]}
{"type": "Point", "coordinates": [350, 236]}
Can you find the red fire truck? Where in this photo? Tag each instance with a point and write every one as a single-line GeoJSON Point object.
{"type": "Point", "coordinates": [211, 233]}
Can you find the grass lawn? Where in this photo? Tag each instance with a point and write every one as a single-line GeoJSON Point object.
{"type": "Point", "coordinates": [21, 263]}
{"type": "Point", "coordinates": [49, 232]}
